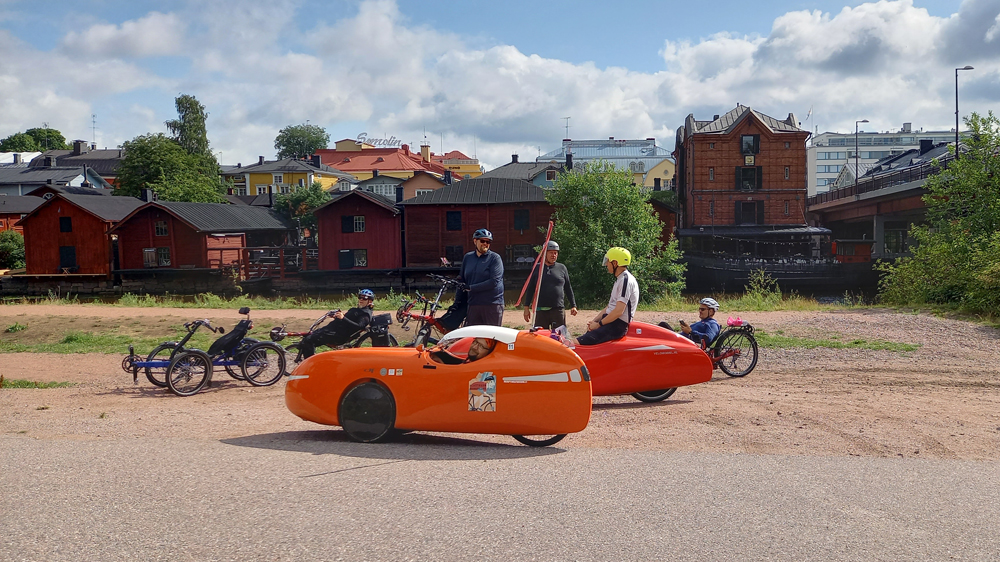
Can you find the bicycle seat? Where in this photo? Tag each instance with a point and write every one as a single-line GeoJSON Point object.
{"type": "Point", "coordinates": [229, 341]}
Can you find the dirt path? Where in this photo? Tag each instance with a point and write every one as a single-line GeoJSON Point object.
{"type": "Point", "coordinates": [940, 401]}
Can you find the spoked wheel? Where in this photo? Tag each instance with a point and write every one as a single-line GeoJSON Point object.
{"type": "Point", "coordinates": [234, 370]}
{"type": "Point", "coordinates": [538, 440]}
{"type": "Point", "coordinates": [158, 375]}
{"type": "Point", "coordinates": [291, 358]}
{"type": "Point", "coordinates": [654, 395]}
{"type": "Point", "coordinates": [741, 347]}
{"type": "Point", "coordinates": [189, 372]}
{"type": "Point", "coordinates": [367, 338]}
{"type": "Point", "coordinates": [263, 364]}
{"type": "Point", "coordinates": [367, 412]}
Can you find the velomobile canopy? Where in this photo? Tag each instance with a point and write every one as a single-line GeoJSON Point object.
{"type": "Point", "coordinates": [499, 333]}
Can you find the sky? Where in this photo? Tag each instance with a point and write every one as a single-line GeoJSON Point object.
{"type": "Point", "coordinates": [488, 78]}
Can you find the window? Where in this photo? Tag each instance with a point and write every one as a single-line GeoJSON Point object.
{"type": "Point", "coordinates": [750, 144]}
{"type": "Point", "coordinates": [838, 142]}
{"type": "Point", "coordinates": [352, 223]}
{"type": "Point", "coordinates": [711, 174]}
{"type": "Point", "coordinates": [831, 155]}
{"type": "Point", "coordinates": [788, 145]}
{"type": "Point", "coordinates": [895, 241]}
{"type": "Point", "coordinates": [550, 175]}
{"type": "Point", "coordinates": [749, 212]}
{"type": "Point", "coordinates": [467, 176]}
{"type": "Point", "coordinates": [160, 228]}
{"type": "Point", "coordinates": [521, 219]}
{"type": "Point", "coordinates": [711, 208]}
{"type": "Point", "coordinates": [831, 169]}
{"type": "Point", "coordinates": [383, 189]}
{"type": "Point", "coordinates": [786, 207]}
{"type": "Point", "coordinates": [360, 258]}
{"type": "Point", "coordinates": [67, 257]}
{"type": "Point", "coordinates": [343, 185]}
{"type": "Point", "coordinates": [845, 249]}
{"type": "Point", "coordinates": [786, 172]}
{"type": "Point", "coordinates": [285, 189]}
{"type": "Point", "coordinates": [65, 224]}
{"type": "Point", "coordinates": [749, 178]}
{"type": "Point", "coordinates": [149, 257]}
{"type": "Point", "coordinates": [349, 259]}
{"type": "Point", "coordinates": [454, 220]}
{"type": "Point", "coordinates": [711, 145]}
{"type": "Point", "coordinates": [454, 254]}
{"type": "Point", "coordinates": [420, 192]}
{"type": "Point", "coordinates": [240, 190]}
{"type": "Point", "coordinates": [279, 178]}
{"type": "Point", "coordinates": [637, 166]}
{"type": "Point", "coordinates": [261, 189]}
{"type": "Point", "coordinates": [163, 257]}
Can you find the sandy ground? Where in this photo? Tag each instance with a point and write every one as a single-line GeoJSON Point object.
{"type": "Point", "coordinates": [940, 401]}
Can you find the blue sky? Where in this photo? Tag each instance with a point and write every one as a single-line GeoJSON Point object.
{"type": "Point", "coordinates": [487, 77]}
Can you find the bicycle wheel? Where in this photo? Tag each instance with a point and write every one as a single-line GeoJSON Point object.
{"type": "Point", "coordinates": [189, 372]}
{"type": "Point", "coordinates": [392, 341]}
{"type": "Point", "coordinates": [741, 347]}
{"type": "Point", "coordinates": [537, 441]}
{"type": "Point", "coordinates": [292, 358]}
{"type": "Point", "coordinates": [367, 412]}
{"type": "Point", "coordinates": [238, 355]}
{"type": "Point", "coordinates": [264, 364]}
{"type": "Point", "coordinates": [360, 342]}
{"type": "Point", "coordinates": [654, 395]}
{"type": "Point", "coordinates": [158, 375]}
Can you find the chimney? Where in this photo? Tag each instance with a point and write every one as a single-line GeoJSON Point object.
{"type": "Point", "coordinates": [260, 160]}
{"type": "Point", "coordinates": [447, 177]}
{"type": "Point", "coordinates": [374, 174]}
{"type": "Point", "coordinates": [907, 127]}
{"type": "Point", "coordinates": [569, 161]}
{"type": "Point", "coordinates": [925, 145]}
{"type": "Point", "coordinates": [86, 183]}
{"type": "Point", "coordinates": [406, 149]}
{"type": "Point", "coordinates": [399, 193]}
{"type": "Point", "coordinates": [513, 158]}
{"type": "Point", "coordinates": [239, 164]}
{"type": "Point", "coordinates": [611, 138]}
{"type": "Point", "coordinates": [425, 152]}
{"type": "Point", "coordinates": [50, 181]}
{"type": "Point", "coordinates": [79, 147]}
{"type": "Point", "coordinates": [317, 161]}
{"type": "Point", "coordinates": [656, 184]}
{"type": "Point", "coordinates": [93, 146]}
{"type": "Point", "coordinates": [230, 191]}
{"type": "Point", "coordinates": [17, 157]}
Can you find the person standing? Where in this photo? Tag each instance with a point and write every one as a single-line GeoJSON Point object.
{"type": "Point", "coordinates": [482, 273]}
{"type": "Point", "coordinates": [556, 290]}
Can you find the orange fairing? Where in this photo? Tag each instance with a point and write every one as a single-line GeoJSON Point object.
{"type": "Point", "coordinates": [647, 358]}
{"type": "Point", "coordinates": [528, 384]}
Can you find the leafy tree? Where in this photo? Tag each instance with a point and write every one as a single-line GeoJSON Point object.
{"type": "Point", "coordinates": [189, 128]}
{"type": "Point", "coordinates": [301, 204]}
{"type": "Point", "coordinates": [956, 259]}
{"type": "Point", "coordinates": [600, 208]}
{"type": "Point", "coordinates": [48, 139]}
{"type": "Point", "coordinates": [296, 141]}
{"type": "Point", "coordinates": [667, 197]}
{"type": "Point", "coordinates": [19, 142]}
{"type": "Point", "coordinates": [11, 249]}
{"type": "Point", "coordinates": [159, 163]}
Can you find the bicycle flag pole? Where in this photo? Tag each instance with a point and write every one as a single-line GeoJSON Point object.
{"type": "Point", "coordinates": [539, 264]}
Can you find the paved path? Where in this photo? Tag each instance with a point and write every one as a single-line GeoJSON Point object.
{"type": "Point", "coordinates": [313, 496]}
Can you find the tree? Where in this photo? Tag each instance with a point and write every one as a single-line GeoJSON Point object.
{"type": "Point", "coordinates": [48, 139]}
{"type": "Point", "coordinates": [11, 249]}
{"type": "Point", "coordinates": [19, 142]}
{"type": "Point", "coordinates": [600, 208]}
{"type": "Point", "coordinates": [299, 206]}
{"type": "Point", "coordinates": [300, 141]}
{"type": "Point", "coordinates": [159, 163]}
{"type": "Point", "coordinates": [189, 128]}
{"type": "Point", "coordinates": [956, 259]}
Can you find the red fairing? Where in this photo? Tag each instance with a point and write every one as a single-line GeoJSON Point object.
{"type": "Point", "coordinates": [647, 358]}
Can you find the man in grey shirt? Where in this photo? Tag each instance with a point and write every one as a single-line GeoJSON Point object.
{"type": "Point", "coordinates": [556, 291]}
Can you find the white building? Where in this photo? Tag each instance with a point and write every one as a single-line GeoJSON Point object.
{"type": "Point", "coordinates": [830, 152]}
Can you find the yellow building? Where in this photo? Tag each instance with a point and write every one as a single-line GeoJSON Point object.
{"type": "Point", "coordinates": [285, 176]}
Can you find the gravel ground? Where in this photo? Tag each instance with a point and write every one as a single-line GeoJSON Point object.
{"type": "Point", "coordinates": [940, 401]}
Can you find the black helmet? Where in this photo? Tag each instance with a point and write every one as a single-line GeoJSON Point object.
{"type": "Point", "coordinates": [483, 233]}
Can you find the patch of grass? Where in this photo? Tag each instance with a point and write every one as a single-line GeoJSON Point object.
{"type": "Point", "coordinates": [102, 416]}
{"type": "Point", "coordinates": [15, 327]}
{"type": "Point", "coordinates": [113, 342]}
{"type": "Point", "coordinates": [21, 383]}
{"type": "Point", "coordinates": [765, 339]}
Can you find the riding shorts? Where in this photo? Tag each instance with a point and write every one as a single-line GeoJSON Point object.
{"type": "Point", "coordinates": [608, 332]}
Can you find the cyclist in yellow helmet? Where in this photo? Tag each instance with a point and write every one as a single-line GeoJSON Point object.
{"type": "Point", "coordinates": [612, 322]}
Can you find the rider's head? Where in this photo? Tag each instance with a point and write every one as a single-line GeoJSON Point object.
{"type": "Point", "coordinates": [366, 298]}
{"type": "Point", "coordinates": [482, 238]}
{"type": "Point", "coordinates": [551, 253]}
{"type": "Point", "coordinates": [707, 307]}
{"type": "Point", "coordinates": [617, 257]}
{"type": "Point", "coordinates": [479, 348]}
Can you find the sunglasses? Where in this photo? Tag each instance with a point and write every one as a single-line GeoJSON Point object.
{"type": "Point", "coordinates": [701, 308]}
{"type": "Point", "coordinates": [484, 241]}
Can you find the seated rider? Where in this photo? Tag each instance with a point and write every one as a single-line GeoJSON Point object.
{"type": "Point", "coordinates": [706, 329]}
{"type": "Point", "coordinates": [343, 327]}
{"type": "Point", "coordinates": [479, 348]}
{"type": "Point", "coordinates": [612, 322]}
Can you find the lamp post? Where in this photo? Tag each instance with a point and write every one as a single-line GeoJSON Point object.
{"type": "Point", "coordinates": [857, 172]}
{"type": "Point", "coordinates": [956, 106]}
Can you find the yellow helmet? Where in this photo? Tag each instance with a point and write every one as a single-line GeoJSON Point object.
{"type": "Point", "coordinates": [620, 255]}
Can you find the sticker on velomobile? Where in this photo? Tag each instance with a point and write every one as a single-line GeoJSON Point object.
{"type": "Point", "coordinates": [483, 393]}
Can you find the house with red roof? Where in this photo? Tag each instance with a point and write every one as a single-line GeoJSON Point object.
{"type": "Point", "coordinates": [362, 160]}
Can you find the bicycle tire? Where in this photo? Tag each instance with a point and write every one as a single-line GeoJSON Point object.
{"type": "Point", "coordinates": [654, 395]}
{"type": "Point", "coordinates": [158, 375]}
{"type": "Point", "coordinates": [189, 372]}
{"type": "Point", "coordinates": [263, 364]}
{"type": "Point", "coordinates": [360, 341]}
{"type": "Point", "coordinates": [292, 353]}
{"type": "Point", "coordinates": [531, 442]}
{"type": "Point", "coordinates": [744, 361]}
{"type": "Point", "coordinates": [234, 370]}
{"type": "Point", "coordinates": [367, 412]}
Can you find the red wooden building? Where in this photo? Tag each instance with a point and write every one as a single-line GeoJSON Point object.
{"type": "Point", "coordinates": [359, 230]}
{"type": "Point", "coordinates": [14, 207]}
{"type": "Point", "coordinates": [68, 234]}
{"type": "Point", "coordinates": [440, 224]}
{"type": "Point", "coordinates": [194, 236]}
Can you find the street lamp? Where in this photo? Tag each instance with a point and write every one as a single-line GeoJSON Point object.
{"type": "Point", "coordinates": [956, 106]}
{"type": "Point", "coordinates": [857, 172]}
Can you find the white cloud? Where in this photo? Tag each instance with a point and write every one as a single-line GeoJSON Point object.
{"type": "Point", "coordinates": [155, 34]}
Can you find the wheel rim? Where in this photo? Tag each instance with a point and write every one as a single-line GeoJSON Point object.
{"type": "Point", "coordinates": [745, 357]}
{"type": "Point", "coordinates": [367, 412]}
{"type": "Point", "coordinates": [539, 440]}
{"type": "Point", "coordinates": [158, 375]}
{"type": "Point", "coordinates": [264, 364]}
{"type": "Point", "coordinates": [188, 373]}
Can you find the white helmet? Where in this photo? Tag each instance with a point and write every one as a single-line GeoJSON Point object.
{"type": "Point", "coordinates": [710, 303]}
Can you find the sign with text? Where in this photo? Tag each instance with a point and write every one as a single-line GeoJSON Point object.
{"type": "Point", "coordinates": [391, 142]}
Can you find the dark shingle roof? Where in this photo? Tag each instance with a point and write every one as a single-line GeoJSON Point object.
{"type": "Point", "coordinates": [481, 190]}
{"type": "Point", "coordinates": [108, 208]}
{"type": "Point", "coordinates": [103, 161]}
{"type": "Point", "coordinates": [725, 122]}
{"type": "Point", "coordinates": [373, 197]}
{"type": "Point", "coordinates": [223, 217]}
{"type": "Point", "coordinates": [70, 189]}
{"type": "Point", "coordinates": [38, 176]}
{"type": "Point", "coordinates": [521, 170]}
{"type": "Point", "coordinates": [19, 203]}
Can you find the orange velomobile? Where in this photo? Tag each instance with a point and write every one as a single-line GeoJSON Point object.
{"type": "Point", "coordinates": [480, 379]}
{"type": "Point", "coordinates": [649, 363]}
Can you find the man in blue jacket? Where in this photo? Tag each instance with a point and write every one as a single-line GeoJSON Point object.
{"type": "Point", "coordinates": [482, 273]}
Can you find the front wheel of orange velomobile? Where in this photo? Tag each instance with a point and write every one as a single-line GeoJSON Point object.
{"type": "Point", "coordinates": [367, 412]}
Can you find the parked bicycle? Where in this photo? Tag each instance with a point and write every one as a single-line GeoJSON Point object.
{"type": "Point", "coordinates": [735, 349]}
{"type": "Point", "coordinates": [427, 323]}
{"type": "Point", "coordinates": [185, 371]}
{"type": "Point", "coordinates": [376, 334]}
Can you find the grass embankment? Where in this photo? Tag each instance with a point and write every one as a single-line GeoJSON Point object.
{"type": "Point", "coordinates": [21, 383]}
{"type": "Point", "coordinates": [114, 340]}
{"type": "Point", "coordinates": [781, 341]}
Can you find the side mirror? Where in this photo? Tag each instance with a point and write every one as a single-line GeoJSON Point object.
{"type": "Point", "coordinates": [245, 310]}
